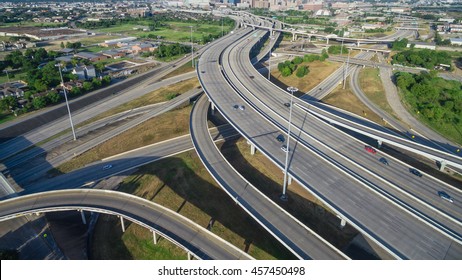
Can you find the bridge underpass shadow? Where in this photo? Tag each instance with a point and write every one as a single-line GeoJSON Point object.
{"type": "Point", "coordinates": [173, 182]}
{"type": "Point", "coordinates": [28, 238]}
{"type": "Point", "coordinates": [302, 205]}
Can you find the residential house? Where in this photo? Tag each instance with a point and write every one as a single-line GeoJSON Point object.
{"type": "Point", "coordinates": [84, 72]}
{"type": "Point", "coordinates": [14, 89]}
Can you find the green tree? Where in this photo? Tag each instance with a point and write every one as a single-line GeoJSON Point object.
{"type": "Point", "coordinates": [62, 45]}
{"type": "Point", "coordinates": [87, 86]}
{"type": "Point", "coordinates": [8, 103]}
{"type": "Point", "coordinates": [53, 97]}
{"type": "Point", "coordinates": [297, 60]}
{"type": "Point", "coordinates": [39, 102]}
{"type": "Point", "coordinates": [302, 71]}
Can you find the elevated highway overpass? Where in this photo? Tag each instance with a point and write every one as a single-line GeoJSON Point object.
{"type": "Point", "coordinates": [190, 236]}
{"type": "Point", "coordinates": [245, 79]}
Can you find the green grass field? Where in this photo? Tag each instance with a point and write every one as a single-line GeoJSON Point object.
{"type": "Point", "coordinates": [174, 31]}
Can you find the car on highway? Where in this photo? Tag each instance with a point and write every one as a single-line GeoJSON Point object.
{"type": "Point", "coordinates": [383, 160]}
{"type": "Point", "coordinates": [284, 148]}
{"type": "Point", "coordinates": [107, 166]}
{"type": "Point", "coordinates": [445, 196]}
{"type": "Point", "coordinates": [280, 138]}
{"type": "Point", "coordinates": [415, 172]}
{"type": "Point", "coordinates": [235, 107]}
{"type": "Point", "coordinates": [287, 104]}
{"type": "Point", "coordinates": [369, 149]}
{"type": "Point", "coordinates": [241, 107]}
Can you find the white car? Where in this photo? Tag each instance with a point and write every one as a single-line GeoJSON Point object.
{"type": "Point", "coordinates": [284, 148]}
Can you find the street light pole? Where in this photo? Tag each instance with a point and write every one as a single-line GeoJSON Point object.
{"type": "Point", "coordinates": [221, 26]}
{"type": "Point", "coordinates": [192, 48]}
{"type": "Point", "coordinates": [269, 60]}
{"type": "Point", "coordinates": [286, 166]}
{"type": "Point", "coordinates": [346, 69]}
{"type": "Point", "coordinates": [7, 76]}
{"type": "Point", "coordinates": [67, 103]}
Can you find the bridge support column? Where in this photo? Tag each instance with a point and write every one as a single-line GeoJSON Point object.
{"type": "Point", "coordinates": [122, 223]}
{"type": "Point", "coordinates": [294, 37]}
{"type": "Point", "coordinates": [154, 237]}
{"type": "Point", "coordinates": [252, 149]}
{"type": "Point", "coordinates": [212, 107]}
{"type": "Point", "coordinates": [189, 256]}
{"type": "Point", "coordinates": [379, 144]}
{"type": "Point", "coordinates": [342, 222]}
{"type": "Point", "coordinates": [442, 165]}
{"type": "Point", "coordinates": [358, 43]}
{"type": "Point", "coordinates": [327, 41]}
{"type": "Point", "coordinates": [82, 214]}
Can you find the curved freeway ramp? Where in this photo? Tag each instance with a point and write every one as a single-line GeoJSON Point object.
{"type": "Point", "coordinates": [174, 227]}
{"type": "Point", "coordinates": [299, 239]}
{"type": "Point", "coordinates": [350, 189]}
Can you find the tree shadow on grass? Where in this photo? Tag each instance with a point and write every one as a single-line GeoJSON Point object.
{"type": "Point", "coordinates": [183, 191]}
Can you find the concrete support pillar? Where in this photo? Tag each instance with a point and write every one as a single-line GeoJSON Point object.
{"type": "Point", "coordinates": [342, 223]}
{"type": "Point", "coordinates": [294, 37]}
{"type": "Point", "coordinates": [252, 149]}
{"type": "Point", "coordinates": [379, 144]}
{"type": "Point", "coordinates": [442, 165]}
{"type": "Point", "coordinates": [154, 237]}
{"type": "Point", "coordinates": [358, 43]}
{"type": "Point", "coordinates": [327, 41]}
{"type": "Point", "coordinates": [122, 223]}
{"type": "Point", "coordinates": [82, 214]}
{"type": "Point", "coordinates": [289, 180]}
{"type": "Point", "coordinates": [189, 256]}
{"type": "Point", "coordinates": [212, 107]}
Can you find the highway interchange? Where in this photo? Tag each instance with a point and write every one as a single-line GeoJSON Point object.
{"type": "Point", "coordinates": [398, 211]}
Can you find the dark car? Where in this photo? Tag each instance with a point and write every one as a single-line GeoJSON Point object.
{"type": "Point", "coordinates": [445, 196]}
{"type": "Point", "coordinates": [370, 149]}
{"type": "Point", "coordinates": [415, 172]}
{"type": "Point", "coordinates": [280, 138]}
{"type": "Point", "coordinates": [235, 107]}
{"type": "Point", "coordinates": [384, 161]}
{"type": "Point", "coordinates": [107, 166]}
{"type": "Point", "coordinates": [287, 104]}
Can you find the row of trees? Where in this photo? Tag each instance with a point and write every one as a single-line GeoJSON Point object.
{"type": "Point", "coordinates": [437, 100]}
{"type": "Point", "coordinates": [165, 51]}
{"type": "Point", "coordinates": [422, 58]}
{"type": "Point", "coordinates": [28, 60]}
{"type": "Point", "coordinates": [288, 67]}
{"type": "Point", "coordinates": [337, 49]}
{"type": "Point", "coordinates": [37, 99]}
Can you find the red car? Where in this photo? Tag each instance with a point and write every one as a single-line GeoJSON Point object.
{"type": "Point", "coordinates": [370, 149]}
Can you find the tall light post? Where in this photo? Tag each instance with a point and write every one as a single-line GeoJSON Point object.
{"type": "Point", "coordinates": [192, 48]}
{"type": "Point", "coordinates": [269, 60]}
{"type": "Point", "coordinates": [346, 69]}
{"type": "Point", "coordinates": [7, 76]}
{"type": "Point", "coordinates": [67, 103]}
{"type": "Point", "coordinates": [286, 166]}
{"type": "Point", "coordinates": [221, 26]}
